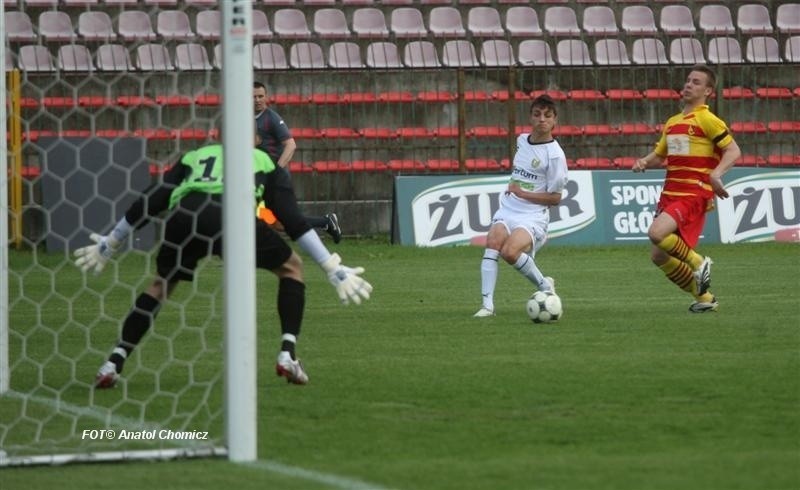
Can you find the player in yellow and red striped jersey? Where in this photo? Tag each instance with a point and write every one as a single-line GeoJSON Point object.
{"type": "Point", "coordinates": [698, 149]}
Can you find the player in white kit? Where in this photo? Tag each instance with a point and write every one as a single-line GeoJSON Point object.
{"type": "Point", "coordinates": [519, 227]}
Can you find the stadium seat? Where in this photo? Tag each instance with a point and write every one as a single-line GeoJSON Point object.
{"type": "Point", "coordinates": [368, 166]}
{"type": "Point", "coordinates": [649, 51]}
{"type": "Point", "coordinates": [383, 55]}
{"type": "Point", "coordinates": [523, 22]}
{"type": "Point", "coordinates": [191, 57]}
{"type": "Point", "coordinates": [749, 127]}
{"type": "Point", "coordinates": [686, 51]}
{"type": "Point", "coordinates": [504, 95]}
{"type": "Point", "coordinates": [41, 3]}
{"type": "Point", "coordinates": [784, 160]}
{"type": "Point", "coordinates": [792, 49]}
{"type": "Point", "coordinates": [291, 23]}
{"type": "Point", "coordinates": [751, 161]}
{"type": "Point", "coordinates": [208, 24]}
{"type": "Point", "coordinates": [370, 23]}
{"type": "Point", "coordinates": [261, 29]}
{"type": "Point", "coordinates": [201, 3]}
{"type": "Point", "coordinates": [269, 56]}
{"type": "Point", "coordinates": [113, 57]}
{"type": "Point", "coordinates": [407, 22]}
{"type": "Point", "coordinates": [611, 52]}
{"type": "Point", "coordinates": [9, 60]}
{"type": "Point", "coordinates": [482, 164]}
{"type": "Point", "coordinates": [595, 163]}
{"type": "Point", "coordinates": [724, 50]}
{"type": "Point", "coordinates": [442, 165]}
{"type": "Point", "coordinates": [561, 21]}
{"type": "Point", "coordinates": [359, 98]}
{"type": "Point", "coordinates": [420, 54]}
{"type": "Point", "coordinates": [535, 52]}
{"type": "Point", "coordinates": [56, 26]}
{"type": "Point", "coordinates": [331, 23]}
{"type": "Point", "coordinates": [497, 52]}
{"type": "Point", "coordinates": [660, 94]}
{"type": "Point", "coordinates": [277, 3]}
{"type": "Point", "coordinates": [74, 57]}
{"type": "Point", "coordinates": [208, 100]}
{"type": "Point", "coordinates": [623, 94]}
{"type": "Point", "coordinates": [135, 25]}
{"type": "Point", "coordinates": [754, 19]}
{"type": "Point", "coordinates": [415, 132]}
{"type": "Point", "coordinates": [435, 96]}
{"type": "Point", "coordinates": [19, 27]}
{"type": "Point", "coordinates": [95, 25]}
{"type": "Point", "coordinates": [556, 95]}
{"type": "Point", "coordinates": [573, 52]}
{"type": "Point", "coordinates": [191, 134]}
{"type": "Point", "coordinates": [624, 162]}
{"type": "Point", "coordinates": [135, 101]}
{"type": "Point", "coordinates": [567, 130]}
{"type": "Point", "coordinates": [35, 58]}
{"type": "Point", "coordinates": [599, 20]}
{"type": "Point", "coordinates": [677, 20]}
{"type": "Point", "coordinates": [484, 22]}
{"type": "Point", "coordinates": [787, 18]}
{"type": "Point", "coordinates": [600, 130]}
{"type": "Point", "coordinates": [737, 93]}
{"type": "Point", "coordinates": [345, 54]}
{"type": "Point", "coordinates": [396, 2]}
{"type": "Point", "coordinates": [360, 2]}
{"type": "Point", "coordinates": [585, 94]}
{"type": "Point", "coordinates": [487, 132]}
{"type": "Point", "coordinates": [406, 165]}
{"type": "Point", "coordinates": [121, 3]}
{"type": "Point", "coordinates": [446, 22]}
{"type": "Point", "coordinates": [639, 20]}
{"type": "Point", "coordinates": [716, 19]}
{"type": "Point", "coordinates": [630, 129]}
{"type": "Point", "coordinates": [773, 93]}
{"type": "Point", "coordinates": [784, 126]}
{"type": "Point", "coordinates": [161, 3]}
{"type": "Point", "coordinates": [327, 166]}
{"type": "Point", "coordinates": [306, 55]}
{"type": "Point", "coordinates": [459, 53]}
{"type": "Point", "coordinates": [153, 57]}
{"type": "Point", "coordinates": [762, 49]}
{"type": "Point", "coordinates": [396, 97]}
{"type": "Point", "coordinates": [325, 98]}
{"type": "Point", "coordinates": [378, 133]}
{"type": "Point", "coordinates": [173, 100]}
{"type": "Point", "coordinates": [174, 24]}
{"type": "Point", "coordinates": [216, 56]}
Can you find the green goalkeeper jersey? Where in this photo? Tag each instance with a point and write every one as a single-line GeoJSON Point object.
{"type": "Point", "coordinates": [203, 171]}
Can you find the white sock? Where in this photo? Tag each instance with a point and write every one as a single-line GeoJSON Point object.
{"type": "Point", "coordinates": [289, 337]}
{"type": "Point", "coordinates": [488, 277]}
{"type": "Point", "coordinates": [313, 246]}
{"type": "Point", "coordinates": [527, 267]}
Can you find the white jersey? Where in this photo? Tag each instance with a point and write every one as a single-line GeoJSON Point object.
{"type": "Point", "coordinates": [538, 167]}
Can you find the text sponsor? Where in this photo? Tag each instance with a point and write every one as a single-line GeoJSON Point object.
{"type": "Point", "coordinates": [459, 210]}
{"type": "Point", "coordinates": [633, 207]}
{"type": "Point", "coordinates": [760, 205]}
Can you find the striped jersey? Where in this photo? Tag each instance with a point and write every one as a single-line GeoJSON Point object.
{"type": "Point", "coordinates": [537, 167]}
{"type": "Point", "coordinates": [692, 145]}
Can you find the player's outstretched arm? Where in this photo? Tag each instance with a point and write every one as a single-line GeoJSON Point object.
{"type": "Point", "coordinates": [94, 257]}
{"type": "Point", "coordinates": [347, 280]}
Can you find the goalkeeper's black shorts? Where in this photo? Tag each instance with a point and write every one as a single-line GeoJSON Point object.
{"type": "Point", "coordinates": [193, 230]}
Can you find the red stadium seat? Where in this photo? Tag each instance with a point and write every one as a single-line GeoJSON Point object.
{"type": "Point", "coordinates": [306, 133]}
{"type": "Point", "coordinates": [482, 164]}
{"type": "Point", "coordinates": [173, 100]}
{"type": "Point", "coordinates": [135, 101]}
{"type": "Point", "coordinates": [435, 96]}
{"type": "Point", "coordinates": [415, 132]}
{"type": "Point", "coordinates": [192, 134]}
{"type": "Point", "coordinates": [95, 101]}
{"type": "Point", "coordinates": [155, 134]}
{"type": "Point", "coordinates": [624, 162]}
{"type": "Point", "coordinates": [738, 93]}
{"type": "Point", "coordinates": [378, 133]}
{"type": "Point", "coordinates": [784, 160]}
{"type": "Point", "coordinates": [340, 133]}
{"type": "Point", "coordinates": [323, 99]}
{"type": "Point", "coordinates": [636, 128]}
{"type": "Point", "coordinates": [600, 130]}
{"type": "Point", "coordinates": [586, 94]}
{"type": "Point", "coordinates": [476, 95]}
{"type": "Point", "coordinates": [504, 95]}
{"type": "Point", "coordinates": [406, 165]}
{"type": "Point", "coordinates": [595, 163]}
{"type": "Point", "coordinates": [488, 132]}
{"type": "Point", "coordinates": [661, 93]}
{"type": "Point", "coordinates": [396, 97]}
{"type": "Point", "coordinates": [784, 126]}
{"type": "Point", "coordinates": [748, 127]}
{"type": "Point", "coordinates": [774, 93]}
{"type": "Point", "coordinates": [299, 168]}
{"type": "Point", "coordinates": [58, 102]}
{"type": "Point", "coordinates": [751, 161]}
{"type": "Point", "coordinates": [290, 99]}
{"type": "Point", "coordinates": [567, 130]}
{"type": "Point", "coordinates": [442, 165]}
{"type": "Point", "coordinates": [447, 132]}
{"type": "Point", "coordinates": [623, 94]}
{"type": "Point", "coordinates": [368, 166]}
{"type": "Point", "coordinates": [359, 98]}
{"type": "Point", "coordinates": [325, 166]}
{"type": "Point", "coordinates": [554, 94]}
{"type": "Point", "coordinates": [212, 100]}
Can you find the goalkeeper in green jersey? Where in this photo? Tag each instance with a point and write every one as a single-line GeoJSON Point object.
{"type": "Point", "coordinates": [191, 193]}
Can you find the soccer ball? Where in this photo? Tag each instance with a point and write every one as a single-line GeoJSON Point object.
{"type": "Point", "coordinates": [544, 307]}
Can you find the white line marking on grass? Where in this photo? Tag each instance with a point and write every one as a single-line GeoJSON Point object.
{"type": "Point", "coordinates": [329, 479]}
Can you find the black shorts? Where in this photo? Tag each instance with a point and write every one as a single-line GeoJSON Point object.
{"type": "Point", "coordinates": [279, 196]}
{"type": "Point", "coordinates": [193, 230]}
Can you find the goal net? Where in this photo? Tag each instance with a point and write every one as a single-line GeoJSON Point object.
{"type": "Point", "coordinates": [92, 117]}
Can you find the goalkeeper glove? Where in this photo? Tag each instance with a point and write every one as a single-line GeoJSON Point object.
{"type": "Point", "coordinates": [95, 256]}
{"type": "Point", "coordinates": [347, 280]}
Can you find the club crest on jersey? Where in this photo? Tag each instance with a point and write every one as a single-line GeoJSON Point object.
{"type": "Point", "coordinates": [690, 131]}
{"type": "Point", "coordinates": [535, 163]}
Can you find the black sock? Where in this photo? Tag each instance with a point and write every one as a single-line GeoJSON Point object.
{"type": "Point", "coordinates": [320, 222]}
{"type": "Point", "coordinates": [291, 304]}
{"type": "Point", "coordinates": [136, 324]}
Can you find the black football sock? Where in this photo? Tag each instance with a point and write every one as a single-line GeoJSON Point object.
{"type": "Point", "coordinates": [135, 326]}
{"type": "Point", "coordinates": [291, 304]}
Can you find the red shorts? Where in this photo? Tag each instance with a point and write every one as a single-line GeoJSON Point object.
{"type": "Point", "coordinates": [690, 214]}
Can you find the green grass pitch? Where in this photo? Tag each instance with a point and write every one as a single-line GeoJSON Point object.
{"type": "Point", "coordinates": [408, 391]}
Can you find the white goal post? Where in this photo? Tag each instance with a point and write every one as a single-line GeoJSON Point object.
{"type": "Point", "coordinates": [49, 413]}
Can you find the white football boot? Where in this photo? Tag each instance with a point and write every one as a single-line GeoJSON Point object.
{"type": "Point", "coordinates": [702, 276]}
{"type": "Point", "coordinates": [483, 313]}
{"type": "Point", "coordinates": [107, 376]}
{"type": "Point", "coordinates": [290, 369]}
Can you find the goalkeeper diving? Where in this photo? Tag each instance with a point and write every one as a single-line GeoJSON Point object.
{"type": "Point", "coordinates": [190, 193]}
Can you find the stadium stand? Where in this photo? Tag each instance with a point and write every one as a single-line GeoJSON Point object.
{"type": "Point", "coordinates": [762, 49]}
{"type": "Point", "coordinates": [135, 25]}
{"type": "Point", "coordinates": [484, 22]}
{"type": "Point", "coordinates": [420, 54]}
{"type": "Point", "coordinates": [96, 26]}
{"type": "Point", "coordinates": [174, 25]}
{"type": "Point", "coordinates": [74, 57]}
{"type": "Point", "coordinates": [724, 50]}
{"type": "Point", "coordinates": [446, 22]}
{"type": "Point", "coordinates": [383, 54]}
{"type": "Point", "coordinates": [677, 20]}
{"type": "Point", "coordinates": [191, 56]}
{"type": "Point", "coordinates": [638, 20]}
{"type": "Point", "coordinates": [306, 55]}
{"type": "Point", "coordinates": [407, 22]}
{"type": "Point", "coordinates": [535, 52]}
{"type": "Point", "coordinates": [331, 23]}
{"type": "Point", "coordinates": [291, 23]}
{"type": "Point", "coordinates": [113, 57]}
{"type": "Point", "coordinates": [561, 21]}
{"type": "Point", "coordinates": [370, 22]}
{"type": "Point", "coordinates": [523, 22]}
{"type": "Point", "coordinates": [754, 19]}
{"type": "Point", "coordinates": [598, 20]}
{"type": "Point", "coordinates": [56, 26]}
{"type": "Point", "coordinates": [716, 19]}
{"type": "Point", "coordinates": [19, 27]}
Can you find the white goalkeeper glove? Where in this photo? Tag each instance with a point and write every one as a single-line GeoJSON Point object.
{"type": "Point", "coordinates": [95, 256]}
{"type": "Point", "coordinates": [347, 280]}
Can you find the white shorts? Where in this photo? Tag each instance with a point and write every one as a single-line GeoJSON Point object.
{"type": "Point", "coordinates": [534, 221]}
